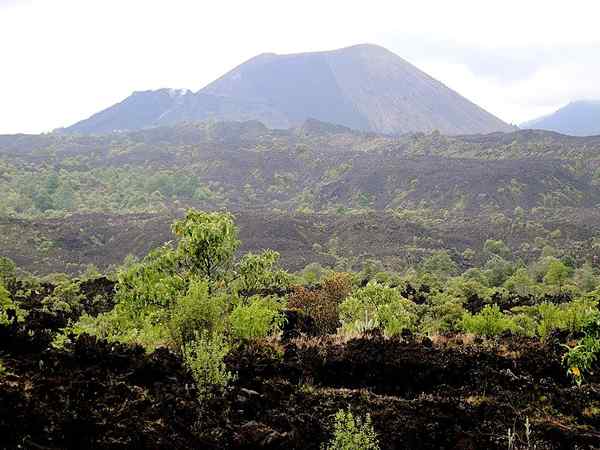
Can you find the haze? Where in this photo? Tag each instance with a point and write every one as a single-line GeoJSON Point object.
{"type": "Point", "coordinates": [66, 59]}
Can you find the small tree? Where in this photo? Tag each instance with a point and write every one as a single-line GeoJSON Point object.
{"type": "Point", "coordinates": [207, 243]}
{"type": "Point", "coordinates": [557, 273]}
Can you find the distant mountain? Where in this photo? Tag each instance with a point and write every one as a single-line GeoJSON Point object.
{"type": "Point", "coordinates": [364, 87]}
{"type": "Point", "coordinates": [580, 118]}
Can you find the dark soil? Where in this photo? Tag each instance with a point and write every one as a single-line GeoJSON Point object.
{"type": "Point", "coordinates": [446, 394]}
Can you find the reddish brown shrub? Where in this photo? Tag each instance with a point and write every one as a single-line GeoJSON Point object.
{"type": "Point", "coordinates": [321, 303]}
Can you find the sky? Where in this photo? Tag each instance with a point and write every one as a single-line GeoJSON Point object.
{"type": "Point", "coordinates": [63, 60]}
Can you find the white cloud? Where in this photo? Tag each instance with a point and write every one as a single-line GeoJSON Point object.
{"type": "Point", "coordinates": [66, 59]}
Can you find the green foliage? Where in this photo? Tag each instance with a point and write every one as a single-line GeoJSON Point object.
{"type": "Point", "coordinates": [154, 281]}
{"type": "Point", "coordinates": [208, 241]}
{"type": "Point", "coordinates": [377, 305]}
{"type": "Point", "coordinates": [557, 273]}
{"type": "Point", "coordinates": [497, 270]}
{"type": "Point", "coordinates": [580, 359]}
{"type": "Point", "coordinates": [65, 299]}
{"type": "Point", "coordinates": [257, 272]}
{"type": "Point", "coordinates": [443, 312]}
{"type": "Point", "coordinates": [440, 264]}
{"type": "Point", "coordinates": [8, 272]}
{"type": "Point", "coordinates": [197, 311]}
{"type": "Point", "coordinates": [498, 248]}
{"type": "Point", "coordinates": [256, 318]}
{"type": "Point", "coordinates": [9, 310]}
{"type": "Point", "coordinates": [520, 283]}
{"type": "Point", "coordinates": [204, 357]}
{"type": "Point", "coordinates": [352, 433]}
{"type": "Point", "coordinates": [489, 322]}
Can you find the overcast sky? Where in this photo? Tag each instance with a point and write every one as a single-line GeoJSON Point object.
{"type": "Point", "coordinates": [63, 60]}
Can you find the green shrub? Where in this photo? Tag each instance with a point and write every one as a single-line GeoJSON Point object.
{"type": "Point", "coordinates": [377, 305]}
{"type": "Point", "coordinates": [350, 433]}
{"type": "Point", "coordinates": [257, 272]}
{"type": "Point", "coordinates": [149, 330]}
{"type": "Point", "coordinates": [580, 358]}
{"type": "Point", "coordinates": [489, 322]}
{"type": "Point", "coordinates": [443, 312]}
{"type": "Point", "coordinates": [152, 282]}
{"type": "Point", "coordinates": [197, 311]}
{"type": "Point", "coordinates": [65, 298]}
{"type": "Point", "coordinates": [520, 283]}
{"type": "Point", "coordinates": [8, 272]}
{"type": "Point", "coordinates": [6, 305]}
{"type": "Point", "coordinates": [204, 357]}
{"type": "Point", "coordinates": [440, 264]}
{"type": "Point", "coordinates": [256, 318]}
{"type": "Point", "coordinates": [208, 241]}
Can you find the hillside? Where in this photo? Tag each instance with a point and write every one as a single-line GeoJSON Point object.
{"type": "Point", "coordinates": [580, 118]}
{"type": "Point", "coordinates": [364, 87]}
{"type": "Point", "coordinates": [522, 185]}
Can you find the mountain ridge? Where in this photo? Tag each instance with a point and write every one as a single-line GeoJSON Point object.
{"type": "Point", "coordinates": [577, 118]}
{"type": "Point", "coordinates": [364, 87]}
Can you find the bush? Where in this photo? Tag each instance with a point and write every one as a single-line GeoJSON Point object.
{"type": "Point", "coordinates": [8, 272]}
{"type": "Point", "coordinates": [197, 311]}
{"type": "Point", "coordinates": [257, 272]}
{"type": "Point", "coordinates": [352, 433]}
{"type": "Point", "coordinates": [152, 282]}
{"type": "Point", "coordinates": [256, 318]}
{"type": "Point", "coordinates": [208, 241]}
{"type": "Point", "coordinates": [204, 357]}
{"type": "Point", "coordinates": [322, 304]}
{"type": "Point", "coordinates": [65, 299]}
{"type": "Point", "coordinates": [580, 358]}
{"type": "Point", "coordinates": [442, 313]}
{"type": "Point", "coordinates": [9, 310]}
{"type": "Point", "coordinates": [119, 325]}
{"type": "Point", "coordinates": [377, 305]}
{"type": "Point", "coordinates": [489, 322]}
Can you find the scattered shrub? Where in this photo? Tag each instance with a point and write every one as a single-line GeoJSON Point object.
{"type": "Point", "coordinates": [9, 310]}
{"type": "Point", "coordinates": [350, 433]}
{"type": "Point", "coordinates": [256, 318]}
{"type": "Point", "coordinates": [197, 311]}
{"type": "Point", "coordinates": [377, 305]}
{"type": "Point", "coordinates": [322, 304]}
{"type": "Point", "coordinates": [489, 322]}
{"type": "Point", "coordinates": [257, 272]}
{"type": "Point", "coordinates": [65, 299]}
{"type": "Point", "coordinates": [204, 358]}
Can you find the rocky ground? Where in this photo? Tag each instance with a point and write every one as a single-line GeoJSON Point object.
{"type": "Point", "coordinates": [447, 393]}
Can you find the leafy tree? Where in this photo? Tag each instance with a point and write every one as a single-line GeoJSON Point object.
{"type": "Point", "coordinates": [256, 318]}
{"type": "Point", "coordinates": [440, 264]}
{"type": "Point", "coordinates": [497, 270]}
{"type": "Point", "coordinates": [197, 311]}
{"type": "Point", "coordinates": [585, 278]}
{"type": "Point", "coordinates": [497, 247]}
{"type": "Point", "coordinates": [520, 283]}
{"type": "Point", "coordinates": [557, 273]}
{"type": "Point", "coordinates": [8, 272]}
{"type": "Point", "coordinates": [257, 272]}
{"type": "Point", "coordinates": [208, 241]}
{"type": "Point", "coordinates": [152, 282]}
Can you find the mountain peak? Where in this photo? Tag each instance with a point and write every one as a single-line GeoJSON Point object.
{"type": "Point", "coordinates": [364, 87]}
{"type": "Point", "coordinates": [577, 118]}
